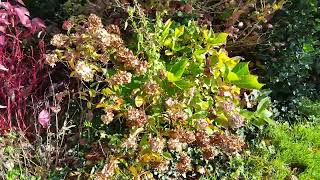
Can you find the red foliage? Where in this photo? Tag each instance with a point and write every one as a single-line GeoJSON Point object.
{"type": "Point", "coordinates": [20, 63]}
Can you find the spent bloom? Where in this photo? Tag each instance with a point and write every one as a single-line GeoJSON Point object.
{"type": "Point", "coordinates": [51, 59]}
{"type": "Point", "coordinates": [67, 25]}
{"type": "Point", "coordinates": [84, 71]}
{"type": "Point", "coordinates": [94, 22]}
{"type": "Point", "coordinates": [59, 40]}
{"type": "Point", "coordinates": [107, 118]}
{"type": "Point", "coordinates": [44, 118]}
{"type": "Point", "coordinates": [120, 78]}
{"type": "Point", "coordinates": [236, 121]}
{"type": "Point", "coordinates": [136, 117]}
{"type": "Point", "coordinates": [156, 144]}
{"type": "Point", "coordinates": [230, 144]}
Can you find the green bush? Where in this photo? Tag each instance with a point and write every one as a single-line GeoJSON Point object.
{"type": "Point", "coordinates": [292, 60]}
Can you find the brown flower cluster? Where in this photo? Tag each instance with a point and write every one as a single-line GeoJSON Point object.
{"type": "Point", "coordinates": [90, 42]}
{"type": "Point", "coordinates": [230, 144]}
{"type": "Point", "coordinates": [120, 78]}
{"type": "Point", "coordinates": [51, 59]}
{"type": "Point", "coordinates": [136, 117]}
{"type": "Point", "coordinates": [185, 136]}
{"type": "Point", "coordinates": [84, 71]}
{"type": "Point", "coordinates": [108, 170]}
{"type": "Point", "coordinates": [184, 163]}
{"type": "Point", "coordinates": [175, 110]}
{"type": "Point", "coordinates": [94, 22]}
{"type": "Point", "coordinates": [151, 88]}
{"type": "Point", "coordinates": [107, 118]}
{"type": "Point", "coordinates": [130, 61]}
{"type": "Point", "coordinates": [156, 144]}
{"type": "Point", "coordinates": [235, 120]}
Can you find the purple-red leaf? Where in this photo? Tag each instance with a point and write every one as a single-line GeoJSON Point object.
{"type": "Point", "coordinates": [3, 68]}
{"type": "Point", "coordinates": [6, 5]}
{"type": "Point", "coordinates": [37, 23]}
{"type": "Point", "coordinates": [24, 16]}
{"type": "Point", "coordinates": [2, 35]}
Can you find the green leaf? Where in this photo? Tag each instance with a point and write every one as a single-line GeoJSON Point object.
{"type": "Point", "coordinates": [263, 104]}
{"type": "Point", "coordinates": [232, 76]}
{"type": "Point", "coordinates": [307, 47]}
{"type": "Point", "coordinates": [246, 80]}
{"type": "Point", "coordinates": [182, 84]}
{"type": "Point", "coordinates": [167, 155]}
{"type": "Point", "coordinates": [177, 70]}
{"type": "Point", "coordinates": [218, 39]}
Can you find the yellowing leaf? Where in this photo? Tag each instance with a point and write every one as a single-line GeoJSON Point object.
{"type": "Point", "coordinates": [71, 64]}
{"type": "Point", "coordinates": [139, 101]}
{"type": "Point", "coordinates": [179, 31]}
{"type": "Point", "coordinates": [133, 171]}
{"type": "Point", "coordinates": [92, 93]}
{"type": "Point", "coordinates": [168, 42]}
{"type": "Point", "coordinates": [107, 91]}
{"type": "Point", "coordinates": [101, 105]}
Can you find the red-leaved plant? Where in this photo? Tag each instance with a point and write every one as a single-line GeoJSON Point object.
{"type": "Point", "coordinates": [20, 63]}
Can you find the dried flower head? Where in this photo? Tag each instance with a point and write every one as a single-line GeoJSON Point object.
{"type": "Point", "coordinates": [172, 102]}
{"type": "Point", "coordinates": [136, 117]}
{"type": "Point", "coordinates": [107, 118]}
{"type": "Point", "coordinates": [203, 124]}
{"type": "Point", "coordinates": [108, 170]}
{"type": "Point", "coordinates": [84, 71]}
{"type": "Point", "coordinates": [131, 142]}
{"type": "Point", "coordinates": [209, 152]}
{"type": "Point", "coordinates": [236, 121]}
{"type": "Point", "coordinates": [202, 138]}
{"type": "Point", "coordinates": [59, 40]}
{"type": "Point", "coordinates": [156, 144]}
{"type": "Point", "coordinates": [227, 106]}
{"type": "Point", "coordinates": [67, 25]}
{"type": "Point", "coordinates": [141, 68]}
{"type": "Point", "coordinates": [201, 170]}
{"type": "Point", "coordinates": [51, 59]}
{"type": "Point", "coordinates": [162, 166]}
{"type": "Point", "coordinates": [107, 40]}
{"type": "Point", "coordinates": [120, 78]}
{"type": "Point", "coordinates": [94, 22]}
{"type": "Point", "coordinates": [176, 114]}
{"type": "Point", "coordinates": [151, 88]}
{"type": "Point", "coordinates": [176, 145]}
{"type": "Point", "coordinates": [187, 137]}
{"type": "Point", "coordinates": [229, 144]}
{"type": "Point", "coordinates": [113, 29]}
{"type": "Point", "coordinates": [184, 164]}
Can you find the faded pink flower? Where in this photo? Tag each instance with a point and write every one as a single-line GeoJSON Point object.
{"type": "Point", "coordinates": [67, 25]}
{"type": "Point", "coordinates": [44, 118]}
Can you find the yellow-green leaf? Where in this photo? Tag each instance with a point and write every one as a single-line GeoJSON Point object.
{"type": "Point", "coordinates": [139, 101]}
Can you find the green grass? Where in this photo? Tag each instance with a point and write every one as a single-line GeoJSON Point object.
{"type": "Point", "coordinates": [288, 150]}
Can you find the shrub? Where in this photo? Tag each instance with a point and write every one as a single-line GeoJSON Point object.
{"type": "Point", "coordinates": [20, 63]}
{"type": "Point", "coordinates": [171, 108]}
{"type": "Point", "coordinates": [292, 63]}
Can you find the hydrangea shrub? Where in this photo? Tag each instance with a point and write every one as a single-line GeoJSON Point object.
{"type": "Point", "coordinates": [168, 101]}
